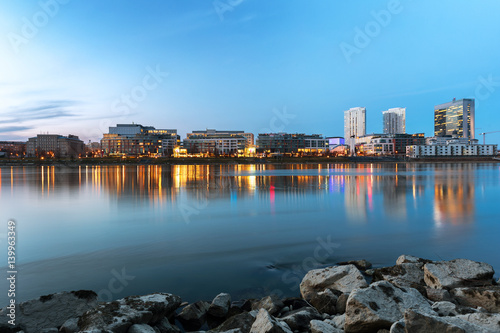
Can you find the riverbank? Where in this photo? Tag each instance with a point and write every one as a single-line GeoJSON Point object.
{"type": "Point", "coordinates": [233, 160]}
{"type": "Point", "coordinates": [415, 295]}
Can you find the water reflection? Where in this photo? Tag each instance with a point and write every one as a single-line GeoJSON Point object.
{"type": "Point", "coordinates": [392, 189]}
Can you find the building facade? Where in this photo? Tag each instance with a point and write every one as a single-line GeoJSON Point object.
{"type": "Point", "coordinates": [211, 132]}
{"type": "Point", "coordinates": [450, 150]}
{"type": "Point", "coordinates": [54, 145]}
{"type": "Point", "coordinates": [285, 143]}
{"type": "Point", "coordinates": [354, 126]}
{"type": "Point", "coordinates": [395, 121]}
{"type": "Point", "coordinates": [13, 148]}
{"type": "Point", "coordinates": [216, 144]}
{"type": "Point", "coordinates": [137, 140]}
{"type": "Point", "coordinates": [455, 118]}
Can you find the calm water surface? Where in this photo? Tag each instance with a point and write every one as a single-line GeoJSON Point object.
{"type": "Point", "coordinates": [248, 230]}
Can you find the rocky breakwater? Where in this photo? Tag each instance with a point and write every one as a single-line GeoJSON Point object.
{"type": "Point", "coordinates": [415, 295]}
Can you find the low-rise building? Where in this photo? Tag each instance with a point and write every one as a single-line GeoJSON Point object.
{"type": "Point", "coordinates": [212, 133]}
{"type": "Point", "coordinates": [13, 148]}
{"type": "Point", "coordinates": [285, 143]}
{"type": "Point", "coordinates": [216, 144]}
{"type": "Point", "coordinates": [451, 150]}
{"type": "Point", "coordinates": [54, 145]}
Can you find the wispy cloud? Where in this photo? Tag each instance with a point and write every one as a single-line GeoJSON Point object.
{"type": "Point", "coordinates": [7, 129]}
{"type": "Point", "coordinates": [44, 110]}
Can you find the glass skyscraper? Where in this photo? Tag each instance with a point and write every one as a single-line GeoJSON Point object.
{"type": "Point", "coordinates": [455, 118]}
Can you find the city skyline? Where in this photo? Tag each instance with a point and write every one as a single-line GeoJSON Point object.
{"type": "Point", "coordinates": [80, 67]}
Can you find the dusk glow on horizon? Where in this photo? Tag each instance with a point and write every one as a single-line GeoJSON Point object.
{"type": "Point", "coordinates": [79, 67]}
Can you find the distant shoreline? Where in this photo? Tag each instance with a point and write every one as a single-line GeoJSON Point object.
{"type": "Point", "coordinates": [235, 161]}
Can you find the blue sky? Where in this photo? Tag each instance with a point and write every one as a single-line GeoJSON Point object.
{"type": "Point", "coordinates": [250, 65]}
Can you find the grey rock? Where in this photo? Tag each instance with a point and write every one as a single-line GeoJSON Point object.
{"type": "Point", "coordinates": [342, 303]}
{"type": "Point", "coordinates": [164, 326]}
{"type": "Point", "coordinates": [487, 321]}
{"type": "Point", "coordinates": [271, 304]}
{"type": "Point", "coordinates": [298, 320]}
{"type": "Point", "coordinates": [416, 322]}
{"type": "Point", "coordinates": [325, 301]}
{"type": "Point", "coordinates": [193, 316]}
{"type": "Point", "coordinates": [360, 264]}
{"type": "Point", "coordinates": [220, 305]}
{"type": "Point", "coordinates": [411, 259]}
{"type": "Point", "coordinates": [49, 330]}
{"type": "Point", "coordinates": [380, 305]}
{"type": "Point", "coordinates": [141, 328]}
{"type": "Point", "coordinates": [265, 323]}
{"type": "Point", "coordinates": [403, 275]}
{"type": "Point", "coordinates": [70, 326]}
{"type": "Point", "coordinates": [438, 295]}
{"type": "Point", "coordinates": [242, 321]}
{"type": "Point", "coordinates": [445, 309]}
{"type": "Point", "coordinates": [318, 326]}
{"type": "Point", "coordinates": [343, 278]}
{"type": "Point", "coordinates": [485, 297]}
{"type": "Point", "coordinates": [398, 327]}
{"type": "Point", "coordinates": [337, 321]}
{"type": "Point", "coordinates": [49, 311]}
{"type": "Point", "coordinates": [118, 316]}
{"type": "Point", "coordinates": [458, 273]}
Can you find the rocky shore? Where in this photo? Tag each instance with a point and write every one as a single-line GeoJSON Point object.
{"type": "Point", "coordinates": [415, 295]}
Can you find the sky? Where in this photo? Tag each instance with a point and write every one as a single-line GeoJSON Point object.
{"type": "Point", "coordinates": [78, 67]}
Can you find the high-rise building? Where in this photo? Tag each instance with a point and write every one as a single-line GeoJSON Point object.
{"type": "Point", "coordinates": [395, 121]}
{"type": "Point", "coordinates": [354, 122]}
{"type": "Point", "coordinates": [455, 118]}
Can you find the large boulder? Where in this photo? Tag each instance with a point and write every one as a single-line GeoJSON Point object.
{"type": "Point", "coordinates": [325, 301]}
{"type": "Point", "coordinates": [272, 304]}
{"type": "Point", "coordinates": [164, 326]}
{"type": "Point", "coordinates": [416, 322]}
{"type": "Point", "coordinates": [193, 316]}
{"type": "Point", "coordinates": [458, 273]}
{"type": "Point", "coordinates": [438, 295]}
{"type": "Point", "coordinates": [242, 321]}
{"type": "Point", "coordinates": [118, 316]}
{"type": "Point", "coordinates": [411, 259]}
{"type": "Point", "coordinates": [403, 275]}
{"type": "Point", "coordinates": [343, 278]}
{"type": "Point", "coordinates": [141, 328]}
{"type": "Point", "coordinates": [487, 321]}
{"type": "Point", "coordinates": [360, 264]}
{"type": "Point", "coordinates": [49, 311]}
{"type": "Point", "coordinates": [220, 305]}
{"type": "Point", "coordinates": [485, 297]}
{"type": "Point", "coordinates": [380, 305]}
{"type": "Point", "coordinates": [265, 323]}
{"type": "Point", "coordinates": [298, 320]}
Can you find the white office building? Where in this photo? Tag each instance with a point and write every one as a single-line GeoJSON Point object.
{"type": "Point", "coordinates": [395, 121]}
{"type": "Point", "coordinates": [354, 125]}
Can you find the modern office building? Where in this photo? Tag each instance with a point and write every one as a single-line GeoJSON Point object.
{"type": "Point", "coordinates": [451, 150]}
{"type": "Point", "coordinates": [395, 121]}
{"type": "Point", "coordinates": [211, 132]}
{"type": "Point", "coordinates": [136, 140]}
{"type": "Point", "coordinates": [286, 143]}
{"type": "Point", "coordinates": [354, 126]}
{"type": "Point", "coordinates": [54, 145]}
{"type": "Point", "coordinates": [455, 118]}
{"type": "Point", "coordinates": [216, 144]}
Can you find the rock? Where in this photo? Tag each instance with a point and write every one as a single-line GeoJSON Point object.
{"type": "Point", "coordinates": [403, 275]}
{"type": "Point", "coordinates": [360, 264]}
{"type": "Point", "coordinates": [445, 309]}
{"type": "Point", "coordinates": [342, 278]}
{"type": "Point", "coordinates": [487, 321]}
{"type": "Point", "coordinates": [193, 316]}
{"type": "Point", "coordinates": [49, 330]}
{"type": "Point", "coordinates": [337, 321]}
{"type": "Point", "coordinates": [243, 322]}
{"type": "Point", "coordinates": [164, 326]}
{"type": "Point", "coordinates": [457, 273]}
{"type": "Point", "coordinates": [264, 323]}
{"type": "Point", "coordinates": [271, 304]}
{"type": "Point", "coordinates": [398, 327]}
{"type": "Point", "coordinates": [486, 297]}
{"type": "Point", "coordinates": [298, 320]}
{"type": "Point", "coordinates": [120, 315]}
{"type": "Point", "coordinates": [411, 259]}
{"type": "Point", "coordinates": [383, 331]}
{"type": "Point", "coordinates": [238, 307]}
{"type": "Point", "coordinates": [341, 303]}
{"type": "Point", "coordinates": [325, 301]}
{"type": "Point", "coordinates": [318, 326]}
{"type": "Point", "coordinates": [220, 305]}
{"type": "Point", "coordinates": [49, 311]}
{"type": "Point", "coordinates": [141, 328]}
{"type": "Point", "coordinates": [416, 322]}
{"type": "Point", "coordinates": [438, 295]}
{"type": "Point", "coordinates": [295, 303]}
{"type": "Point", "coordinates": [70, 326]}
{"type": "Point", "coordinates": [380, 305]}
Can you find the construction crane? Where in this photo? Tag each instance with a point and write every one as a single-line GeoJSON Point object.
{"type": "Point", "coordinates": [484, 135]}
